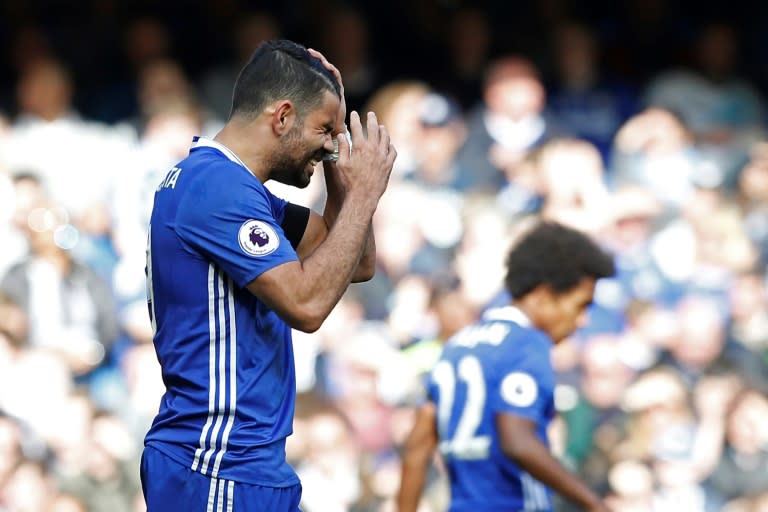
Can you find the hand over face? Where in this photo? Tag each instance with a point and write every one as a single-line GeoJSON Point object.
{"type": "Point", "coordinates": [342, 115]}
{"type": "Point", "coordinates": [367, 168]}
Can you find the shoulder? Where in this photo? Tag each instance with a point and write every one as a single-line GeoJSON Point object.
{"type": "Point", "coordinates": [523, 347]}
{"type": "Point", "coordinates": [219, 184]}
{"type": "Point", "coordinates": [209, 168]}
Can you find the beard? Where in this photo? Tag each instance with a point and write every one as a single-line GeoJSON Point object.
{"type": "Point", "coordinates": [288, 165]}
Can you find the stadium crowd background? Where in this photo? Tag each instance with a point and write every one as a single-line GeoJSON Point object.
{"type": "Point", "coordinates": [639, 122]}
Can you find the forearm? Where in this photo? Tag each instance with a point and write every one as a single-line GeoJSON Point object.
{"type": "Point", "coordinates": [335, 198]}
{"type": "Point", "coordinates": [412, 481]}
{"type": "Point", "coordinates": [367, 266]}
{"type": "Point", "coordinates": [328, 271]}
{"type": "Point", "coordinates": [417, 454]}
{"type": "Point", "coordinates": [304, 292]}
{"type": "Point", "coordinates": [535, 458]}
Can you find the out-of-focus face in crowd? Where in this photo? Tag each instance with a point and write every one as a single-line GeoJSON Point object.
{"type": "Point", "coordinates": [747, 425]}
{"type": "Point", "coordinates": [45, 90]}
{"type": "Point", "coordinates": [513, 89]}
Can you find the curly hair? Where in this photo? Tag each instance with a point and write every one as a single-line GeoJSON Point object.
{"type": "Point", "coordinates": [554, 255]}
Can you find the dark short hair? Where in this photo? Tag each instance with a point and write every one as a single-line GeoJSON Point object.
{"type": "Point", "coordinates": [554, 255]}
{"type": "Point", "coordinates": [281, 69]}
{"type": "Point", "coordinates": [26, 175]}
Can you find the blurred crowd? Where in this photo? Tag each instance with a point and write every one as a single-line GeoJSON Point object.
{"type": "Point", "coordinates": [662, 396]}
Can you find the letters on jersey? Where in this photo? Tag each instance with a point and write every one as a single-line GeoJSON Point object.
{"type": "Point", "coordinates": [170, 179]}
{"type": "Point", "coordinates": [227, 358]}
{"type": "Point", "coordinates": [500, 365]}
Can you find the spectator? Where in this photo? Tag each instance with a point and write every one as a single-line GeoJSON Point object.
{"type": "Point", "coordinates": [49, 138]}
{"type": "Point", "coordinates": [753, 199]}
{"type": "Point", "coordinates": [635, 215]}
{"type": "Point", "coordinates": [398, 106]}
{"type": "Point", "coordinates": [107, 480]}
{"type": "Point", "coordinates": [571, 171]}
{"type": "Point", "coordinates": [631, 486]}
{"type": "Point", "coordinates": [655, 149]}
{"type": "Point", "coordinates": [442, 134]}
{"type": "Point", "coordinates": [162, 82]}
{"type": "Point", "coordinates": [678, 486]}
{"type": "Point", "coordinates": [360, 395]}
{"type": "Point", "coordinates": [748, 325]}
{"type": "Point", "coordinates": [583, 103]}
{"type": "Point", "coordinates": [468, 38]}
{"type": "Point", "coordinates": [743, 469]}
{"type": "Point", "coordinates": [69, 307]}
{"type": "Point", "coordinates": [67, 503]}
{"type": "Point", "coordinates": [507, 122]}
{"type": "Point", "coordinates": [657, 399]}
{"type": "Point", "coordinates": [10, 448]}
{"type": "Point", "coordinates": [699, 347]}
{"type": "Point", "coordinates": [449, 311]}
{"type": "Point", "coordinates": [250, 30]}
{"type": "Point", "coordinates": [29, 488]}
{"type": "Point", "coordinates": [702, 249]}
{"type": "Point", "coordinates": [345, 35]}
{"type": "Point", "coordinates": [724, 111]}
{"type": "Point", "coordinates": [329, 471]}
{"type": "Point", "coordinates": [596, 423]}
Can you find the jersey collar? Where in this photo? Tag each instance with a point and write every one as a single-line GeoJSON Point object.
{"type": "Point", "coordinates": [205, 142]}
{"type": "Point", "coordinates": [509, 313]}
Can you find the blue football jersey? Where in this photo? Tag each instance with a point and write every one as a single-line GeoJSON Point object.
{"type": "Point", "coordinates": [498, 365]}
{"type": "Point", "coordinates": [227, 359]}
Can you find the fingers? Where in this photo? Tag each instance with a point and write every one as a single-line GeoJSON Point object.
{"type": "Point", "coordinates": [377, 136]}
{"type": "Point", "coordinates": [322, 58]}
{"type": "Point", "coordinates": [373, 129]}
{"type": "Point", "coordinates": [391, 156]}
{"type": "Point", "coordinates": [355, 127]}
{"type": "Point", "coordinates": [344, 151]}
{"type": "Point", "coordinates": [330, 67]}
{"type": "Point", "coordinates": [384, 139]}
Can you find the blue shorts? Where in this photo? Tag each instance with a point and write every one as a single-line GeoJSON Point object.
{"type": "Point", "coordinates": [168, 485]}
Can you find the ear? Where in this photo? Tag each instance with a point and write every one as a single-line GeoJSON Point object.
{"type": "Point", "coordinates": [283, 115]}
{"type": "Point", "coordinates": [543, 296]}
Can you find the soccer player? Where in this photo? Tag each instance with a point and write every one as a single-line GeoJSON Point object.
{"type": "Point", "coordinates": [231, 269]}
{"type": "Point", "coordinates": [491, 392]}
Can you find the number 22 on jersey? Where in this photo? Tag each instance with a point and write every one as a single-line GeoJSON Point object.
{"type": "Point", "coordinates": [463, 442]}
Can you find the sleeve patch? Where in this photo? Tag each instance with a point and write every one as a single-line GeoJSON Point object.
{"type": "Point", "coordinates": [519, 389]}
{"type": "Point", "coordinates": [257, 238]}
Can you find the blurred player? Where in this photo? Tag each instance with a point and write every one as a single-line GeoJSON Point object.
{"type": "Point", "coordinates": [231, 269]}
{"type": "Point", "coordinates": [491, 392]}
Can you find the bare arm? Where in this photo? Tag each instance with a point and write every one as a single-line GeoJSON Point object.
{"type": "Point", "coordinates": [419, 449]}
{"type": "Point", "coordinates": [318, 227]}
{"type": "Point", "coordinates": [336, 191]}
{"type": "Point", "coordinates": [367, 265]}
{"type": "Point", "coordinates": [519, 442]}
{"type": "Point", "coordinates": [304, 292]}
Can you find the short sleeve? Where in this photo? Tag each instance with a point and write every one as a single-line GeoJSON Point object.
{"type": "Point", "coordinates": [234, 221]}
{"type": "Point", "coordinates": [524, 387]}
